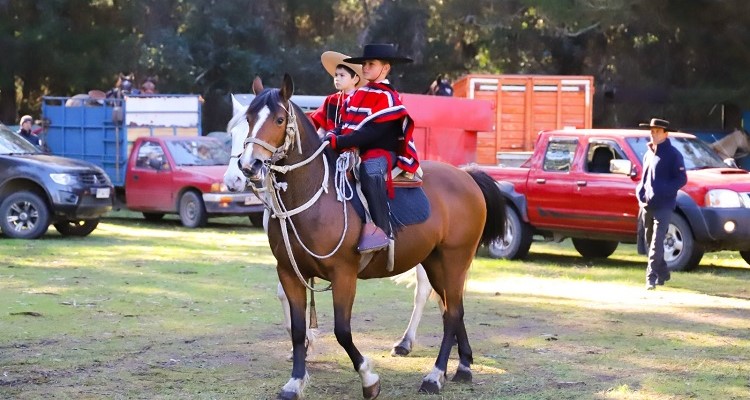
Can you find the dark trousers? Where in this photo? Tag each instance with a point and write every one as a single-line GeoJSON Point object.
{"type": "Point", "coordinates": [372, 177]}
{"type": "Point", "coordinates": [656, 224]}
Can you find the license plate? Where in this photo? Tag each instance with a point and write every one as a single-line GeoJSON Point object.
{"type": "Point", "coordinates": [102, 193]}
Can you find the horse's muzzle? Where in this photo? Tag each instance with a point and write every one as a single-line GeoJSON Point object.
{"type": "Point", "coordinates": [255, 172]}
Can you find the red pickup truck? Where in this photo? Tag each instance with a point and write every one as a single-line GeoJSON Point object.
{"type": "Point", "coordinates": [183, 175]}
{"type": "Point", "coordinates": [581, 184]}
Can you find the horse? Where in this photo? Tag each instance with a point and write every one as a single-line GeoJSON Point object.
{"type": "Point", "coordinates": [284, 155]}
{"type": "Point", "coordinates": [238, 128]}
{"type": "Point", "coordinates": [441, 86]}
{"type": "Point", "coordinates": [733, 145]}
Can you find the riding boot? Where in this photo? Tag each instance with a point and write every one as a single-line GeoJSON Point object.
{"type": "Point", "coordinates": [376, 233]}
{"type": "Point", "coordinates": [372, 239]}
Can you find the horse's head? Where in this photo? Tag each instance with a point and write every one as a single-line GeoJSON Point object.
{"type": "Point", "coordinates": [270, 134]}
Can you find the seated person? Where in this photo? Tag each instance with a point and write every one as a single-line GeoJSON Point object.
{"type": "Point", "coordinates": [123, 87]}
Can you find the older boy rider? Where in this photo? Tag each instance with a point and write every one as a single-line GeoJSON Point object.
{"type": "Point", "coordinates": [377, 123]}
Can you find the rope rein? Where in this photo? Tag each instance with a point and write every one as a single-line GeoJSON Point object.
{"type": "Point", "coordinates": [272, 188]}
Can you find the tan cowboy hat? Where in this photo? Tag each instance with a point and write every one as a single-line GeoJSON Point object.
{"type": "Point", "coordinates": [330, 59]}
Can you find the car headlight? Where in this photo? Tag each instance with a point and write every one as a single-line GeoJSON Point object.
{"type": "Point", "coordinates": [219, 187]}
{"type": "Point", "coordinates": [723, 198]}
{"type": "Point", "coordinates": [63, 179]}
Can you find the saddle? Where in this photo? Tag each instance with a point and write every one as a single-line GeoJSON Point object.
{"type": "Point", "coordinates": [404, 179]}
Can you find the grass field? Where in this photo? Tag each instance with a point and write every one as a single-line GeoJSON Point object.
{"type": "Point", "coordinates": [142, 310]}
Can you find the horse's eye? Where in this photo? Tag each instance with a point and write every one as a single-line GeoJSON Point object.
{"type": "Point", "coordinates": [280, 121]}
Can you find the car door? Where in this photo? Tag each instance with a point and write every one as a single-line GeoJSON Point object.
{"type": "Point", "coordinates": [550, 188]}
{"type": "Point", "coordinates": [606, 200]}
{"type": "Point", "coordinates": [148, 183]}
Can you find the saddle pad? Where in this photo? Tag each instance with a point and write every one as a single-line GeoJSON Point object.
{"type": "Point", "coordinates": [409, 206]}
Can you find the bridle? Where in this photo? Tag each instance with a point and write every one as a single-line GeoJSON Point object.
{"type": "Point", "coordinates": [292, 136]}
{"type": "Point", "coordinates": [272, 188]}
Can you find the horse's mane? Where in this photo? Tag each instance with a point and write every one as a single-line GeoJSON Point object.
{"type": "Point", "coordinates": [267, 98]}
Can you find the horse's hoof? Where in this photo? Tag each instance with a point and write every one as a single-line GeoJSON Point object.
{"type": "Point", "coordinates": [429, 387]}
{"type": "Point", "coordinates": [462, 376]}
{"type": "Point", "coordinates": [284, 395]}
{"type": "Point", "coordinates": [371, 392]}
{"type": "Point", "coordinates": [400, 351]}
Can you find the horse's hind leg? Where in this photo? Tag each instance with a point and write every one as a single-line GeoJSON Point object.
{"type": "Point", "coordinates": [344, 289]}
{"type": "Point", "coordinates": [421, 294]}
{"type": "Point", "coordinates": [297, 297]}
{"type": "Point", "coordinates": [447, 276]}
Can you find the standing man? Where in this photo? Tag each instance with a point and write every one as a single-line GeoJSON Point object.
{"type": "Point", "coordinates": [663, 175]}
{"type": "Point", "coordinates": [26, 133]}
{"type": "Point", "coordinates": [377, 124]}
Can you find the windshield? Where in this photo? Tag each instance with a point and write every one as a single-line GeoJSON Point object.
{"type": "Point", "coordinates": [696, 152]}
{"type": "Point", "coordinates": [198, 152]}
{"type": "Point", "coordinates": [12, 143]}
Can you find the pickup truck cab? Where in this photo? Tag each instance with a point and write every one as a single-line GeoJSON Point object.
{"type": "Point", "coordinates": [581, 184]}
{"type": "Point", "coordinates": [183, 175]}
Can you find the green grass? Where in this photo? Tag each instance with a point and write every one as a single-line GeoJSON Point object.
{"type": "Point", "coordinates": [156, 311]}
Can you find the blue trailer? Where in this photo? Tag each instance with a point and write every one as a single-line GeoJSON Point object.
{"type": "Point", "coordinates": [101, 131]}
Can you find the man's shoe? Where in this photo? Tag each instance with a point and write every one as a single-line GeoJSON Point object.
{"type": "Point", "coordinates": [660, 281]}
{"type": "Point", "coordinates": [372, 239]}
{"type": "Point", "coordinates": [650, 286]}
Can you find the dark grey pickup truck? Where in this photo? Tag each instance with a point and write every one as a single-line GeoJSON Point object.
{"type": "Point", "coordinates": [38, 190]}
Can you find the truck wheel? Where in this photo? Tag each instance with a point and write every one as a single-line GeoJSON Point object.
{"type": "Point", "coordinates": [24, 215]}
{"type": "Point", "coordinates": [153, 217]}
{"type": "Point", "coordinates": [77, 228]}
{"type": "Point", "coordinates": [516, 242]}
{"type": "Point", "coordinates": [680, 250]}
{"type": "Point", "coordinates": [256, 219]}
{"type": "Point", "coordinates": [745, 256]}
{"type": "Point", "coordinates": [591, 248]}
{"type": "Point", "coordinates": [192, 210]}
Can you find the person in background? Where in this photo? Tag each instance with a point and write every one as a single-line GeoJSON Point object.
{"type": "Point", "coordinates": [663, 175]}
{"type": "Point", "coordinates": [25, 131]}
{"type": "Point", "coordinates": [123, 87]}
{"type": "Point", "coordinates": [376, 123]}
{"type": "Point", "coordinates": [346, 79]}
{"type": "Point", "coordinates": [149, 85]}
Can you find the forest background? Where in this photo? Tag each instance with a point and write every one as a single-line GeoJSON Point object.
{"type": "Point", "coordinates": [685, 60]}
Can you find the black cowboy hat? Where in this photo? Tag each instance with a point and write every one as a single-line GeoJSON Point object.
{"type": "Point", "coordinates": [656, 123]}
{"type": "Point", "coordinates": [379, 51]}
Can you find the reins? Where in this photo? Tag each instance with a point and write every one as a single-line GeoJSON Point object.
{"type": "Point", "coordinates": [273, 189]}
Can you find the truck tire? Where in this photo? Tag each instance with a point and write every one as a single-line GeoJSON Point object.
{"type": "Point", "coordinates": [256, 219]}
{"type": "Point", "coordinates": [80, 228]}
{"type": "Point", "coordinates": [192, 210]}
{"type": "Point", "coordinates": [681, 252]}
{"type": "Point", "coordinates": [745, 256]}
{"type": "Point", "coordinates": [153, 217]}
{"type": "Point", "coordinates": [591, 248]}
{"type": "Point", "coordinates": [516, 242]}
{"type": "Point", "coordinates": [24, 215]}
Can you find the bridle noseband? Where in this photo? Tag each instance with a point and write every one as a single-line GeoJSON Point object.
{"type": "Point", "coordinates": [292, 136]}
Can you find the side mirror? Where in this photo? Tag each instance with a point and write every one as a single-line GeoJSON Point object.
{"type": "Point", "coordinates": [622, 167]}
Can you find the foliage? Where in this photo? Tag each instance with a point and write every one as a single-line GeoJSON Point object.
{"type": "Point", "coordinates": [646, 56]}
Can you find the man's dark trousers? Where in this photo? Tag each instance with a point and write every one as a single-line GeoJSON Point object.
{"type": "Point", "coordinates": [656, 223]}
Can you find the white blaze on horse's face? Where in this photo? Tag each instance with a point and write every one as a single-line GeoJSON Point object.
{"type": "Point", "coordinates": [233, 177]}
{"type": "Point", "coordinates": [253, 152]}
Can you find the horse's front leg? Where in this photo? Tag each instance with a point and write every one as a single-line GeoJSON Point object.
{"type": "Point", "coordinates": [297, 297]}
{"type": "Point", "coordinates": [311, 335]}
{"type": "Point", "coordinates": [344, 289]}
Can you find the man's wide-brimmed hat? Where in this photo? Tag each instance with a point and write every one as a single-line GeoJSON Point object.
{"type": "Point", "coordinates": [379, 51]}
{"type": "Point", "coordinates": [332, 59]}
{"type": "Point", "coordinates": [656, 123]}
{"type": "Point", "coordinates": [26, 118]}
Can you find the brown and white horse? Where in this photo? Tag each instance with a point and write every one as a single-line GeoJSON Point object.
{"type": "Point", "coordinates": [315, 232]}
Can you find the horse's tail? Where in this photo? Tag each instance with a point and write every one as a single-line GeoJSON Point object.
{"type": "Point", "coordinates": [494, 227]}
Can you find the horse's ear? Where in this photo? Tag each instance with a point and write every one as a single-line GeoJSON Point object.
{"type": "Point", "coordinates": [287, 87]}
{"type": "Point", "coordinates": [257, 85]}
